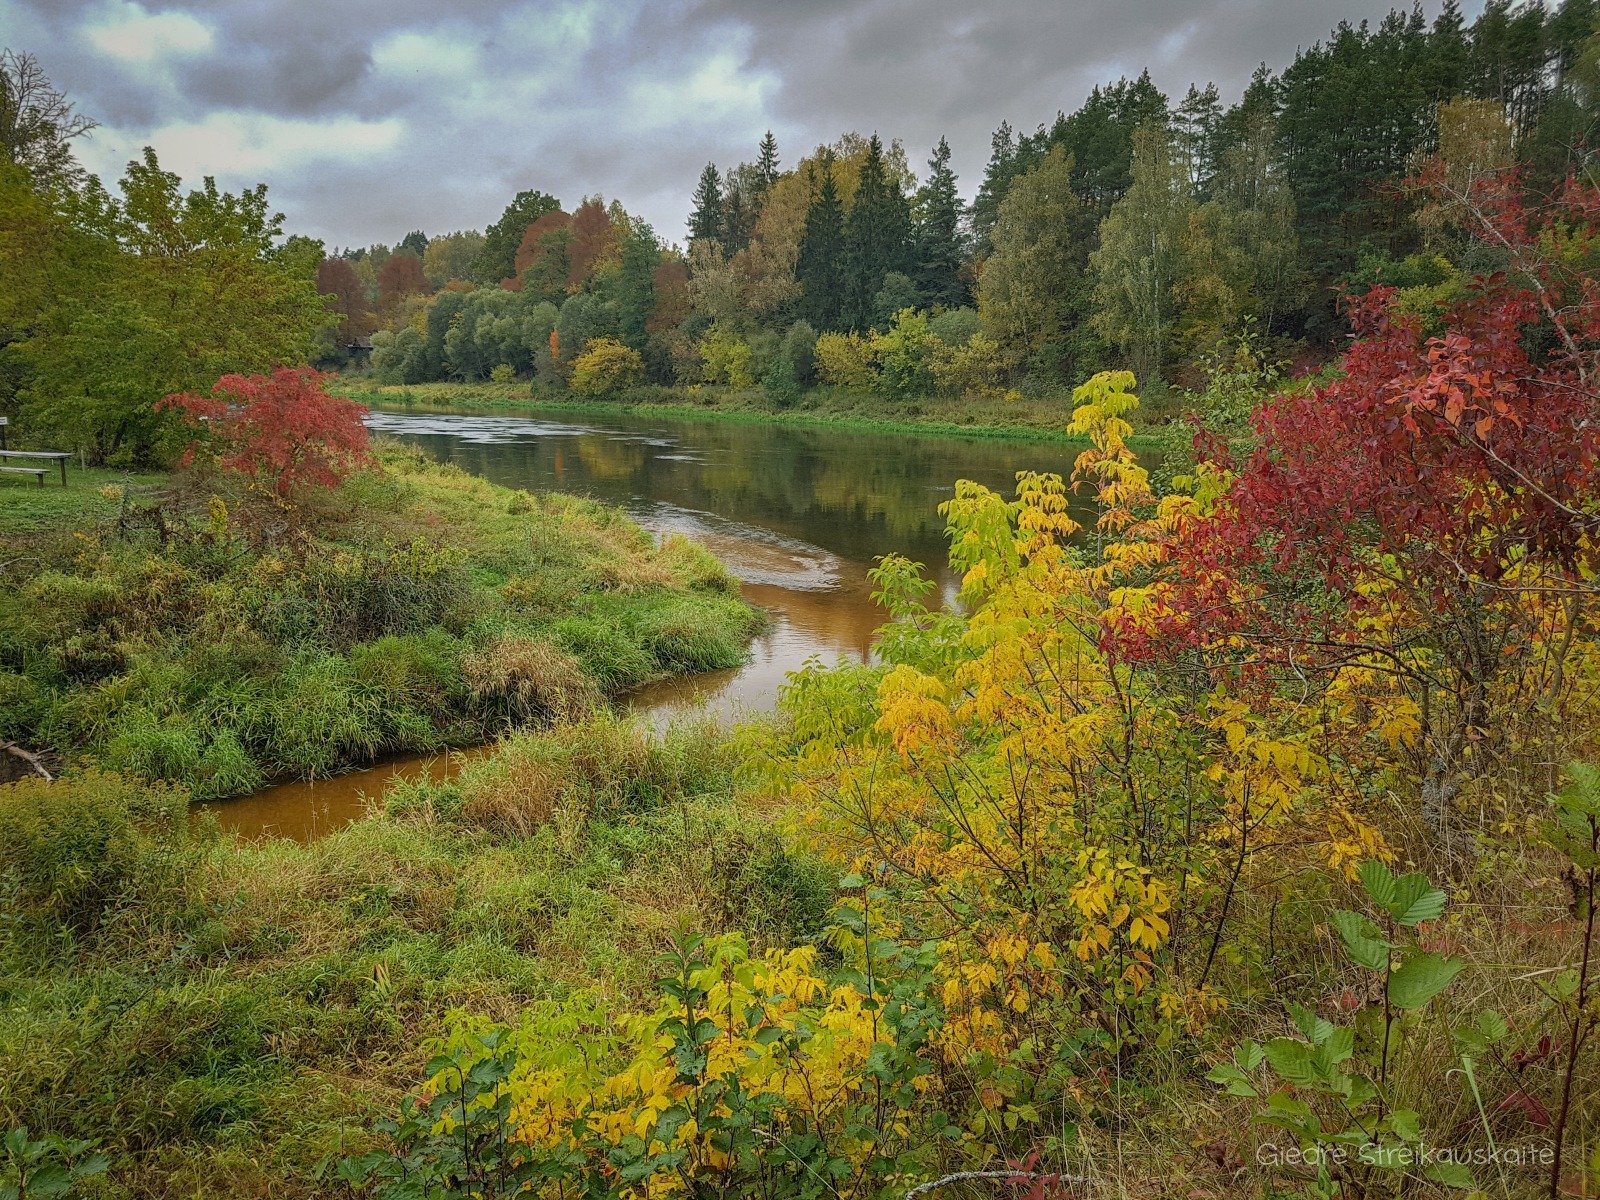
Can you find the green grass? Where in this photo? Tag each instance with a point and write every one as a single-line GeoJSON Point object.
{"type": "Point", "coordinates": [1035, 420]}
{"type": "Point", "coordinates": [212, 639]}
{"type": "Point", "coordinates": [26, 508]}
{"type": "Point", "coordinates": [234, 1023]}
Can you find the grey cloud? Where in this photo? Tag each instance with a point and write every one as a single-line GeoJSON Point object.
{"type": "Point", "coordinates": [542, 110]}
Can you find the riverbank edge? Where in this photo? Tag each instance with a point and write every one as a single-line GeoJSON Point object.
{"type": "Point", "coordinates": [397, 397]}
{"type": "Point", "coordinates": [73, 516]}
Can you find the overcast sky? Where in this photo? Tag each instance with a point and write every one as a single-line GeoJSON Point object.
{"type": "Point", "coordinates": [368, 118]}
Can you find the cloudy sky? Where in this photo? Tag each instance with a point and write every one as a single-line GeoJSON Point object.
{"type": "Point", "coordinates": [368, 118]}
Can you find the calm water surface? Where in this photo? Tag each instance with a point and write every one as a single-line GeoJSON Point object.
{"type": "Point", "coordinates": [797, 514]}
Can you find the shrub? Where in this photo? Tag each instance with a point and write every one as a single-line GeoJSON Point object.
{"type": "Point", "coordinates": [503, 373]}
{"type": "Point", "coordinates": [606, 366]}
{"type": "Point", "coordinates": [903, 355]}
{"type": "Point", "coordinates": [955, 326]}
{"type": "Point", "coordinates": [971, 368]}
{"type": "Point", "coordinates": [844, 360]}
{"type": "Point", "coordinates": [726, 357]}
{"type": "Point", "coordinates": [71, 848]}
{"type": "Point", "coordinates": [280, 427]}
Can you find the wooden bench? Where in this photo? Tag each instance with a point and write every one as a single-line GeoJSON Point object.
{"type": "Point", "coordinates": [58, 457]}
{"type": "Point", "coordinates": [37, 472]}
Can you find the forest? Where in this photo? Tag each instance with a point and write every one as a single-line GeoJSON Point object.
{"type": "Point", "coordinates": [1139, 231]}
{"type": "Point", "coordinates": [1221, 819]}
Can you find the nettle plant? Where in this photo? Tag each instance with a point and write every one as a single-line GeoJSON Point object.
{"type": "Point", "coordinates": [1332, 1085]}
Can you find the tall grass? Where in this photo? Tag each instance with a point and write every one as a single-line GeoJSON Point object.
{"type": "Point", "coordinates": [413, 608]}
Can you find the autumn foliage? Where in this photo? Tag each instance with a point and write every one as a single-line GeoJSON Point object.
{"type": "Point", "coordinates": [282, 429]}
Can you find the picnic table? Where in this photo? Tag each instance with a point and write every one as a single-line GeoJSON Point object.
{"type": "Point", "coordinates": [59, 457]}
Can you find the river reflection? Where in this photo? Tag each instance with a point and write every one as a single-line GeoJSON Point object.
{"type": "Point", "coordinates": [797, 514]}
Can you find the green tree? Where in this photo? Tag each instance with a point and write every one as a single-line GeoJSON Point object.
{"type": "Point", "coordinates": [416, 242]}
{"type": "Point", "coordinates": [634, 286]}
{"type": "Point", "coordinates": [877, 236]}
{"type": "Point", "coordinates": [1194, 134]}
{"type": "Point", "coordinates": [498, 258]}
{"type": "Point", "coordinates": [172, 290]}
{"type": "Point", "coordinates": [1141, 256]}
{"type": "Point", "coordinates": [1252, 212]}
{"type": "Point", "coordinates": [1029, 291]}
{"type": "Point", "coordinates": [767, 161]}
{"type": "Point", "coordinates": [705, 221]}
{"type": "Point", "coordinates": [941, 243]}
{"type": "Point", "coordinates": [819, 266]}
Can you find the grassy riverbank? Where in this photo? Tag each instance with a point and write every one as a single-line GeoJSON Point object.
{"type": "Point", "coordinates": [1033, 420]}
{"type": "Point", "coordinates": [184, 629]}
{"type": "Point", "coordinates": [228, 1018]}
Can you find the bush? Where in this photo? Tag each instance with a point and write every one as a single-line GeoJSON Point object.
{"type": "Point", "coordinates": [844, 360]}
{"type": "Point", "coordinates": [503, 373]}
{"type": "Point", "coordinates": [606, 366]}
{"type": "Point", "coordinates": [725, 357]}
{"type": "Point", "coordinates": [904, 356]}
{"type": "Point", "coordinates": [72, 848]}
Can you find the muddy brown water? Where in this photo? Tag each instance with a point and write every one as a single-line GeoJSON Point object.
{"type": "Point", "coordinates": [798, 514]}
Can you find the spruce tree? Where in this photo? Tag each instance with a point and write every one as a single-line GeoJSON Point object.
{"type": "Point", "coordinates": [819, 266]}
{"type": "Point", "coordinates": [877, 236]}
{"type": "Point", "coordinates": [705, 222]}
{"type": "Point", "coordinates": [767, 161]}
{"type": "Point", "coordinates": [939, 238]}
{"type": "Point", "coordinates": [737, 219]}
{"type": "Point", "coordinates": [997, 177]}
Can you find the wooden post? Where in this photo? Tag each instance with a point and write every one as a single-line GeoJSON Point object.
{"type": "Point", "coordinates": [4, 421]}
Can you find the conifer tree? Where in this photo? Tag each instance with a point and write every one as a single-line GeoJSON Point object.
{"type": "Point", "coordinates": [877, 236]}
{"type": "Point", "coordinates": [819, 267]}
{"type": "Point", "coordinates": [737, 218]}
{"type": "Point", "coordinates": [997, 177]}
{"type": "Point", "coordinates": [705, 222]}
{"type": "Point", "coordinates": [767, 161]}
{"type": "Point", "coordinates": [940, 240]}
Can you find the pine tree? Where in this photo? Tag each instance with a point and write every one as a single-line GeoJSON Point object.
{"type": "Point", "coordinates": [705, 222]}
{"type": "Point", "coordinates": [940, 241]}
{"type": "Point", "coordinates": [877, 236]}
{"type": "Point", "coordinates": [1194, 134]}
{"type": "Point", "coordinates": [819, 267]}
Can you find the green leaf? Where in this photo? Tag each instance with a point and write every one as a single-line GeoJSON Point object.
{"type": "Point", "coordinates": [1582, 794]}
{"type": "Point", "coordinates": [1451, 1174]}
{"type": "Point", "coordinates": [1415, 900]}
{"type": "Point", "coordinates": [1336, 1048]}
{"type": "Point", "coordinates": [1420, 978]}
{"type": "Point", "coordinates": [1363, 940]}
{"type": "Point", "coordinates": [1314, 1027]}
{"type": "Point", "coordinates": [1379, 882]}
{"type": "Point", "coordinates": [1291, 1059]}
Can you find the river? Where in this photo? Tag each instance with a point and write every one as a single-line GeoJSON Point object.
{"type": "Point", "coordinates": [798, 514]}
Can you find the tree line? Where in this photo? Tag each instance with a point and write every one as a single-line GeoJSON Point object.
{"type": "Point", "coordinates": [1137, 231]}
